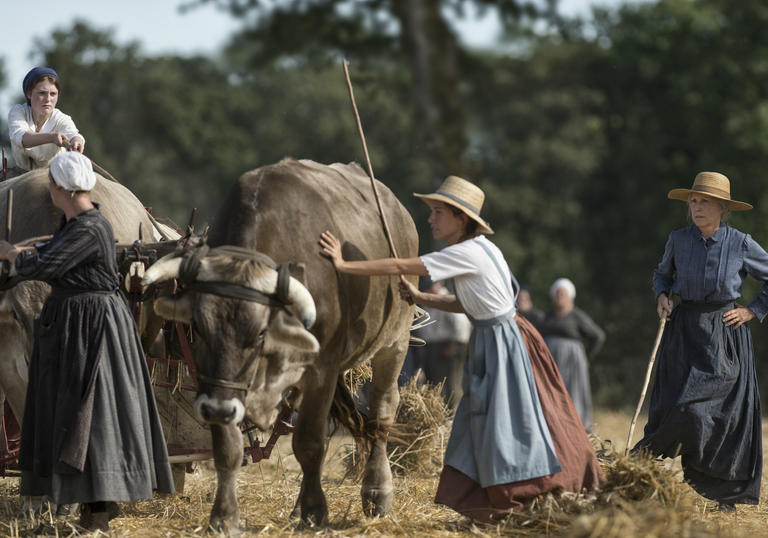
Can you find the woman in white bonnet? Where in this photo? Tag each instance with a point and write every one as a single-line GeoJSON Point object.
{"type": "Point", "coordinates": [91, 433]}
{"type": "Point", "coordinates": [566, 330]}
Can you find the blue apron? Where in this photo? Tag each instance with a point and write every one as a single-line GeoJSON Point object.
{"type": "Point", "coordinates": [499, 433]}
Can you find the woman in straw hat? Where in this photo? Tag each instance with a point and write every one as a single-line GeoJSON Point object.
{"type": "Point", "coordinates": [705, 405]}
{"type": "Point", "coordinates": [91, 433]}
{"type": "Point", "coordinates": [516, 433]}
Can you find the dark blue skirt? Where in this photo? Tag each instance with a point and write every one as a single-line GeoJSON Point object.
{"type": "Point", "coordinates": [705, 405]}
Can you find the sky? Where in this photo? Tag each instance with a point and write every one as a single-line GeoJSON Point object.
{"type": "Point", "coordinates": [157, 25]}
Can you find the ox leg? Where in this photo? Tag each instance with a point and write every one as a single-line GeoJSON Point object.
{"type": "Point", "coordinates": [309, 446]}
{"type": "Point", "coordinates": [227, 455]}
{"type": "Point", "coordinates": [151, 329]}
{"type": "Point", "coordinates": [13, 366]}
{"type": "Point", "coordinates": [377, 490]}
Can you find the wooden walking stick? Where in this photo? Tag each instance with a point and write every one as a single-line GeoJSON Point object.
{"type": "Point", "coordinates": [662, 323]}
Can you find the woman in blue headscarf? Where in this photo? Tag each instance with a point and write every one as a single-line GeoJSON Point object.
{"type": "Point", "coordinates": [37, 129]}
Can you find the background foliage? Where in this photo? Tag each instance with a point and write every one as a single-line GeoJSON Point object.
{"type": "Point", "coordinates": [576, 129]}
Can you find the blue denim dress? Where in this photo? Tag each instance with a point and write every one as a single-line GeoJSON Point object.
{"type": "Point", "coordinates": [705, 404]}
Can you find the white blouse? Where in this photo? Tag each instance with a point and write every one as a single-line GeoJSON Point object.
{"type": "Point", "coordinates": [480, 286]}
{"type": "Point", "coordinates": [20, 122]}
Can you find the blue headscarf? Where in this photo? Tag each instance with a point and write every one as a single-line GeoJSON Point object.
{"type": "Point", "coordinates": [35, 74]}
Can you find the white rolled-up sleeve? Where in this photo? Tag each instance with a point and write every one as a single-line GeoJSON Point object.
{"type": "Point", "coordinates": [18, 125]}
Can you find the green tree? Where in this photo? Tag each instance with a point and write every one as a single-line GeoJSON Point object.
{"type": "Point", "coordinates": [418, 35]}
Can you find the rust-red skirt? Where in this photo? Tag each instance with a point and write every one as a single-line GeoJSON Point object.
{"type": "Point", "coordinates": [574, 451]}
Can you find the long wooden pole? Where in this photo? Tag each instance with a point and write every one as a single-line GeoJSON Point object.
{"type": "Point", "coordinates": [9, 216]}
{"type": "Point", "coordinates": [368, 159]}
{"type": "Point", "coordinates": [5, 266]}
{"type": "Point", "coordinates": [660, 332]}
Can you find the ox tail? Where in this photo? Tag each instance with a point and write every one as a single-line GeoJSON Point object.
{"type": "Point", "coordinates": [346, 414]}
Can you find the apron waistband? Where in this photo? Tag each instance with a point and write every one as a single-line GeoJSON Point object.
{"type": "Point", "coordinates": [509, 315]}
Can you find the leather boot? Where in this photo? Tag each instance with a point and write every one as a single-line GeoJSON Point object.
{"type": "Point", "coordinates": [93, 521]}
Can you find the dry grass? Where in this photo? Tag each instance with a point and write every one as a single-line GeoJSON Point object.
{"type": "Point", "coordinates": [641, 497]}
{"type": "Point", "coordinates": [423, 425]}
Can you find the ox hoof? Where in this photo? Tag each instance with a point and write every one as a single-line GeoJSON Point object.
{"type": "Point", "coordinates": [312, 517]}
{"type": "Point", "coordinates": [377, 502]}
{"type": "Point", "coordinates": [228, 527]}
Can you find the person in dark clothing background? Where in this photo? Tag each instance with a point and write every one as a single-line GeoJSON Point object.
{"type": "Point", "coordinates": [91, 433]}
{"type": "Point", "coordinates": [705, 404]}
{"type": "Point", "coordinates": [446, 349]}
{"type": "Point", "coordinates": [566, 329]}
{"type": "Point", "coordinates": [526, 307]}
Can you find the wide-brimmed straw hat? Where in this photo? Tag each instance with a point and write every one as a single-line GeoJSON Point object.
{"type": "Point", "coordinates": [463, 195]}
{"type": "Point", "coordinates": [712, 184]}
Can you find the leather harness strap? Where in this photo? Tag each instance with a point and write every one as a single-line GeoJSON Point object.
{"type": "Point", "coordinates": [234, 385]}
{"type": "Point", "coordinates": [192, 259]}
{"type": "Point", "coordinates": [236, 291]}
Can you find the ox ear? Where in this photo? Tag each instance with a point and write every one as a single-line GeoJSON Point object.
{"type": "Point", "coordinates": [298, 271]}
{"type": "Point", "coordinates": [286, 330]}
{"type": "Point", "coordinates": [175, 308]}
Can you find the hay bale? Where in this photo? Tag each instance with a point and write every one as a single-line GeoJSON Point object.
{"type": "Point", "coordinates": [641, 477]}
{"type": "Point", "coordinates": [641, 496]}
{"type": "Point", "coordinates": [423, 423]}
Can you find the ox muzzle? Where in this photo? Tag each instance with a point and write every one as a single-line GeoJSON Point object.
{"type": "Point", "coordinates": [219, 411]}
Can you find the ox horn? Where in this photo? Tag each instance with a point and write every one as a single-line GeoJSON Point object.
{"type": "Point", "coordinates": [302, 300]}
{"type": "Point", "coordinates": [166, 268]}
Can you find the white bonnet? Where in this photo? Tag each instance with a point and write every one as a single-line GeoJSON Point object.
{"type": "Point", "coordinates": [73, 171]}
{"type": "Point", "coordinates": [563, 283]}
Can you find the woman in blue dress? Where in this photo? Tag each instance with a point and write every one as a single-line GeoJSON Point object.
{"type": "Point", "coordinates": [705, 404]}
{"type": "Point", "coordinates": [516, 433]}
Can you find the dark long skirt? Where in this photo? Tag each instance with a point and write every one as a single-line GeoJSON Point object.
{"type": "Point", "coordinates": [705, 404]}
{"type": "Point", "coordinates": [91, 431]}
{"type": "Point", "coordinates": [580, 469]}
{"type": "Point", "coordinates": [572, 363]}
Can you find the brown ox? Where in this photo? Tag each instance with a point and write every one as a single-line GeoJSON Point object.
{"type": "Point", "coordinates": [280, 210]}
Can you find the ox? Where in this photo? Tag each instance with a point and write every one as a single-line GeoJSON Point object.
{"type": "Point", "coordinates": [252, 355]}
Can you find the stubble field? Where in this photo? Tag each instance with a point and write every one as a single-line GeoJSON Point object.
{"type": "Point", "coordinates": [642, 497]}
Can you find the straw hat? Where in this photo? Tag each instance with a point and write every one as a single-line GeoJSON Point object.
{"type": "Point", "coordinates": [462, 195]}
{"type": "Point", "coordinates": [712, 184]}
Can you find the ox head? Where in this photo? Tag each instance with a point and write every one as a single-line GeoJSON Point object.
{"type": "Point", "coordinates": [251, 342]}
